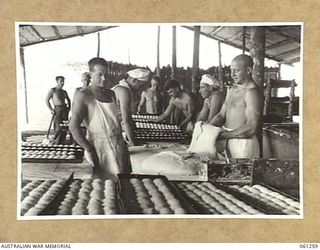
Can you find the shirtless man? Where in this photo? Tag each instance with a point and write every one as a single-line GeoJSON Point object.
{"type": "Point", "coordinates": [152, 97]}
{"type": "Point", "coordinates": [85, 79]}
{"type": "Point", "coordinates": [213, 98]}
{"type": "Point", "coordinates": [60, 101]}
{"type": "Point", "coordinates": [241, 112]}
{"type": "Point", "coordinates": [95, 105]}
{"type": "Point", "coordinates": [125, 100]}
{"type": "Point", "coordinates": [181, 101]}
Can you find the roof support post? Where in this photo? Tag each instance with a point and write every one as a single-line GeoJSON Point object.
{"type": "Point", "coordinates": [25, 83]}
{"type": "Point", "coordinates": [158, 52]}
{"type": "Point", "coordinates": [174, 51]}
{"type": "Point", "coordinates": [257, 51]}
{"type": "Point", "coordinates": [195, 64]}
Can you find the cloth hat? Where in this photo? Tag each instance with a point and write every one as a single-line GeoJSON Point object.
{"type": "Point", "coordinates": [139, 74]}
{"type": "Point", "coordinates": [210, 80]}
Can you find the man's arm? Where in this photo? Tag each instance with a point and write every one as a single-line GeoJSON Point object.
{"type": "Point", "coordinates": [204, 112]}
{"type": "Point", "coordinates": [78, 113]}
{"type": "Point", "coordinates": [190, 110]}
{"type": "Point", "coordinates": [166, 113]}
{"type": "Point", "coordinates": [48, 97]}
{"type": "Point", "coordinates": [124, 97]}
{"type": "Point", "coordinates": [142, 101]}
{"type": "Point", "coordinates": [215, 106]}
{"type": "Point", "coordinates": [253, 115]}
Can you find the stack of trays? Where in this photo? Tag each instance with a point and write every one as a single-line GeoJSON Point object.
{"type": "Point", "coordinates": [149, 194]}
{"type": "Point", "coordinates": [64, 124]}
{"type": "Point", "coordinates": [32, 152]}
{"type": "Point", "coordinates": [208, 198]}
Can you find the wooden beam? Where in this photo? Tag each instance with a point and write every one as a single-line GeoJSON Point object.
{"type": "Point", "coordinates": [275, 58]}
{"type": "Point", "coordinates": [283, 34]}
{"type": "Point", "coordinates": [80, 30]}
{"type": "Point", "coordinates": [278, 44]}
{"type": "Point", "coordinates": [220, 67]}
{"type": "Point", "coordinates": [25, 83]}
{"type": "Point", "coordinates": [195, 63]}
{"type": "Point", "coordinates": [66, 37]}
{"type": "Point", "coordinates": [243, 39]}
{"type": "Point", "coordinates": [158, 52]}
{"type": "Point", "coordinates": [216, 30]}
{"type": "Point", "coordinates": [293, 51]}
{"type": "Point", "coordinates": [56, 31]}
{"type": "Point", "coordinates": [36, 32]}
{"type": "Point", "coordinates": [98, 46]}
{"type": "Point", "coordinates": [174, 51]}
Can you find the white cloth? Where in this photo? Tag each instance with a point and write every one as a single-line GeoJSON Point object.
{"type": "Point", "coordinates": [139, 74]}
{"type": "Point", "coordinates": [204, 139]}
{"type": "Point", "coordinates": [241, 148]}
{"type": "Point", "coordinates": [104, 132]}
{"type": "Point", "coordinates": [210, 80]}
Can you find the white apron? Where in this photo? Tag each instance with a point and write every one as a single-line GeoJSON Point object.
{"type": "Point", "coordinates": [104, 133]}
{"type": "Point", "coordinates": [240, 148]}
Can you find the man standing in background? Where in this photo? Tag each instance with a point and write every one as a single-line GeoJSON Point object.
{"type": "Point", "coordinates": [61, 102]}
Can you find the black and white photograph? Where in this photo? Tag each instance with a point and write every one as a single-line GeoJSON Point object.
{"type": "Point", "coordinates": [161, 120]}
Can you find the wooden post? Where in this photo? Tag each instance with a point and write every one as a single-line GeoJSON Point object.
{"type": "Point", "coordinates": [290, 106]}
{"type": "Point", "coordinates": [158, 53]}
{"type": "Point", "coordinates": [220, 75]}
{"type": "Point", "coordinates": [257, 51]}
{"type": "Point", "coordinates": [244, 40]}
{"type": "Point", "coordinates": [25, 83]}
{"type": "Point", "coordinates": [195, 64]}
{"type": "Point", "coordinates": [98, 50]}
{"type": "Point", "coordinates": [174, 52]}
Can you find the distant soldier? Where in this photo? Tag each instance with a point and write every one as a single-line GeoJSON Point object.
{"type": "Point", "coordinates": [180, 103]}
{"type": "Point", "coordinates": [152, 97]}
{"type": "Point", "coordinates": [60, 101]}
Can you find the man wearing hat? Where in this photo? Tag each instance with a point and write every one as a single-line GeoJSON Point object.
{"type": "Point", "coordinates": [213, 98]}
{"type": "Point", "coordinates": [125, 100]}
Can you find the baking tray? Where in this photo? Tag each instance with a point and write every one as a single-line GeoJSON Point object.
{"type": "Point", "coordinates": [255, 203]}
{"type": "Point", "coordinates": [78, 154]}
{"type": "Point", "coordinates": [173, 189]}
{"type": "Point", "coordinates": [52, 207]}
{"type": "Point", "coordinates": [195, 205]}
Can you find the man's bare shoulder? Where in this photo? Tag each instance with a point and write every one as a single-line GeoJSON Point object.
{"type": "Point", "coordinates": [122, 92]}
{"type": "Point", "coordinates": [253, 93]}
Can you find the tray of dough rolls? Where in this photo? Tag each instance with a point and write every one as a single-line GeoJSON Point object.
{"type": "Point", "coordinates": [219, 199]}
{"type": "Point", "coordinates": [150, 194]}
{"type": "Point", "coordinates": [40, 153]}
{"type": "Point", "coordinates": [38, 196]}
{"type": "Point", "coordinates": [143, 118]}
{"type": "Point", "coordinates": [70, 197]}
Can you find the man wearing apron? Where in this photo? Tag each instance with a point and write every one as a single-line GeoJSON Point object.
{"type": "Point", "coordinates": [241, 113]}
{"type": "Point", "coordinates": [125, 100]}
{"type": "Point", "coordinates": [95, 105]}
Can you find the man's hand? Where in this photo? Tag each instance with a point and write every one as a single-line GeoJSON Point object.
{"type": "Point", "coordinates": [92, 158]}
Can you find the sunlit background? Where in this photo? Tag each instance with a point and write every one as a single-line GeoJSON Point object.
{"type": "Point", "coordinates": [135, 44]}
